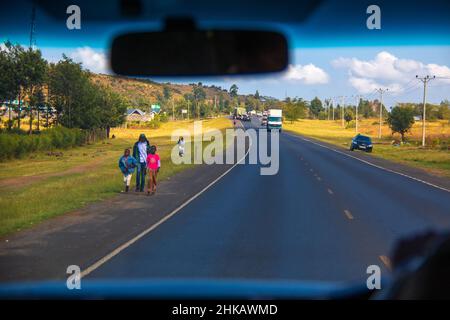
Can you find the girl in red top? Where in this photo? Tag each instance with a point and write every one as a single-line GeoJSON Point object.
{"type": "Point", "coordinates": [153, 165]}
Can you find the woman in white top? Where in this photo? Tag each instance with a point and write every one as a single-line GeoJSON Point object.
{"type": "Point", "coordinates": [181, 146]}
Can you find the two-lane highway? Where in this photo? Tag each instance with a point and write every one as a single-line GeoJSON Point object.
{"type": "Point", "coordinates": [324, 216]}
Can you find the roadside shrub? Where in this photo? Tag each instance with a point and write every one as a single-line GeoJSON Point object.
{"type": "Point", "coordinates": [17, 144]}
{"type": "Point", "coordinates": [163, 117]}
{"type": "Point", "coordinates": [351, 125]}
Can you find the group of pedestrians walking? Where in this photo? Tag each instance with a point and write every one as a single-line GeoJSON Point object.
{"type": "Point", "coordinates": [143, 159]}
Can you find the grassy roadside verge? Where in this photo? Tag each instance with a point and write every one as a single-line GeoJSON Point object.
{"type": "Point", "coordinates": [62, 188]}
{"type": "Point", "coordinates": [433, 160]}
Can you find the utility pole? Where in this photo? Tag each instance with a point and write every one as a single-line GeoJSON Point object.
{"type": "Point", "coordinates": [328, 108]}
{"type": "Point", "coordinates": [188, 109]}
{"type": "Point", "coordinates": [198, 110]}
{"type": "Point", "coordinates": [425, 81]}
{"type": "Point", "coordinates": [358, 97]}
{"type": "Point", "coordinates": [173, 111]}
{"type": "Point", "coordinates": [381, 91]}
{"type": "Point", "coordinates": [333, 104]}
{"type": "Point", "coordinates": [342, 111]}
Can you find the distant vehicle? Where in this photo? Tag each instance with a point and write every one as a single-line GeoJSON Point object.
{"type": "Point", "coordinates": [274, 120]}
{"type": "Point", "coordinates": [264, 121]}
{"type": "Point", "coordinates": [239, 112]}
{"type": "Point", "coordinates": [361, 142]}
{"type": "Point", "coordinates": [246, 117]}
{"type": "Point", "coordinates": [259, 114]}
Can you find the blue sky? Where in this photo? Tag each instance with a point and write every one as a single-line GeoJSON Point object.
{"type": "Point", "coordinates": [324, 72]}
{"type": "Point", "coordinates": [320, 68]}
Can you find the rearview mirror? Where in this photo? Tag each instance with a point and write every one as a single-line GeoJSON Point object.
{"type": "Point", "coordinates": [199, 53]}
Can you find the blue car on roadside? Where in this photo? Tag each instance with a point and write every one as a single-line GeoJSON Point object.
{"type": "Point", "coordinates": [361, 142]}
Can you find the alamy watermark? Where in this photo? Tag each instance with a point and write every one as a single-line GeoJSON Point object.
{"type": "Point", "coordinates": [73, 21]}
{"type": "Point", "coordinates": [374, 280]}
{"type": "Point", "coordinates": [239, 146]}
{"type": "Point", "coordinates": [74, 279]}
{"type": "Point", "coordinates": [374, 20]}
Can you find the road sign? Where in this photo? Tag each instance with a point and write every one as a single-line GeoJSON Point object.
{"type": "Point", "coordinates": [184, 111]}
{"type": "Point", "coordinates": [156, 108]}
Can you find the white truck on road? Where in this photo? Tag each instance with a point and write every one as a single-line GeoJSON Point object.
{"type": "Point", "coordinates": [274, 120]}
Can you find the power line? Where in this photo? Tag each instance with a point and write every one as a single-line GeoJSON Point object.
{"type": "Point", "coordinates": [408, 91]}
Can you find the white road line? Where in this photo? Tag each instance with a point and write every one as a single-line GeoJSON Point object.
{"type": "Point", "coordinates": [348, 214]}
{"type": "Point", "coordinates": [115, 252]}
{"type": "Point", "coordinates": [386, 261]}
{"type": "Point", "coordinates": [370, 163]}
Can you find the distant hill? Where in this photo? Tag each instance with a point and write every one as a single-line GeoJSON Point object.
{"type": "Point", "coordinates": [143, 92]}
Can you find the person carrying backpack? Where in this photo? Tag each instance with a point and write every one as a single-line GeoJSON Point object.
{"type": "Point", "coordinates": [140, 151]}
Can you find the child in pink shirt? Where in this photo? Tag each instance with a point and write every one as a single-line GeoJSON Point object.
{"type": "Point", "coordinates": [153, 165]}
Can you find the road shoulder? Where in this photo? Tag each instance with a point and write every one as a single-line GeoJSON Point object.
{"type": "Point", "coordinates": [82, 237]}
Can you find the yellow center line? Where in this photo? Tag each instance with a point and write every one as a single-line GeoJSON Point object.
{"type": "Point", "coordinates": [386, 261]}
{"type": "Point", "coordinates": [348, 214]}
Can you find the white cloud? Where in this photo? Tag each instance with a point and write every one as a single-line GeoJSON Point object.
{"type": "Point", "coordinates": [365, 86]}
{"type": "Point", "coordinates": [387, 70]}
{"type": "Point", "coordinates": [91, 59]}
{"type": "Point", "coordinates": [308, 74]}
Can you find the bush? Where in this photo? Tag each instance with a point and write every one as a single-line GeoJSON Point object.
{"type": "Point", "coordinates": [18, 144]}
{"type": "Point", "coordinates": [351, 125]}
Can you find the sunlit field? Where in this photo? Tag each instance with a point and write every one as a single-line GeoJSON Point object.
{"type": "Point", "coordinates": [435, 158]}
{"type": "Point", "coordinates": [44, 185]}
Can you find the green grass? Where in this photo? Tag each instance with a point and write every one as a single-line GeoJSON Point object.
{"type": "Point", "coordinates": [435, 160]}
{"type": "Point", "coordinates": [62, 188]}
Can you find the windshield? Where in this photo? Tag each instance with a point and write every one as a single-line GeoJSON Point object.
{"type": "Point", "coordinates": [118, 178]}
{"type": "Point", "coordinates": [364, 139]}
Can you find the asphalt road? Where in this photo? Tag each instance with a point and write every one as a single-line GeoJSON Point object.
{"type": "Point", "coordinates": [324, 216]}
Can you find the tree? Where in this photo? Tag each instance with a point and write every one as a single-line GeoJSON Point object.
{"type": "Point", "coordinates": [400, 120]}
{"type": "Point", "coordinates": [38, 101]}
{"type": "Point", "coordinates": [79, 102]}
{"type": "Point", "coordinates": [365, 109]}
{"type": "Point", "coordinates": [292, 112]}
{"type": "Point", "coordinates": [348, 116]}
{"type": "Point", "coordinates": [113, 109]}
{"type": "Point", "coordinates": [316, 107]}
{"type": "Point", "coordinates": [9, 85]}
{"type": "Point", "coordinates": [167, 93]}
{"type": "Point", "coordinates": [70, 94]}
{"type": "Point", "coordinates": [199, 96]}
{"type": "Point", "coordinates": [16, 53]}
{"type": "Point", "coordinates": [31, 71]}
{"type": "Point", "coordinates": [234, 91]}
{"type": "Point", "coordinates": [444, 110]}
